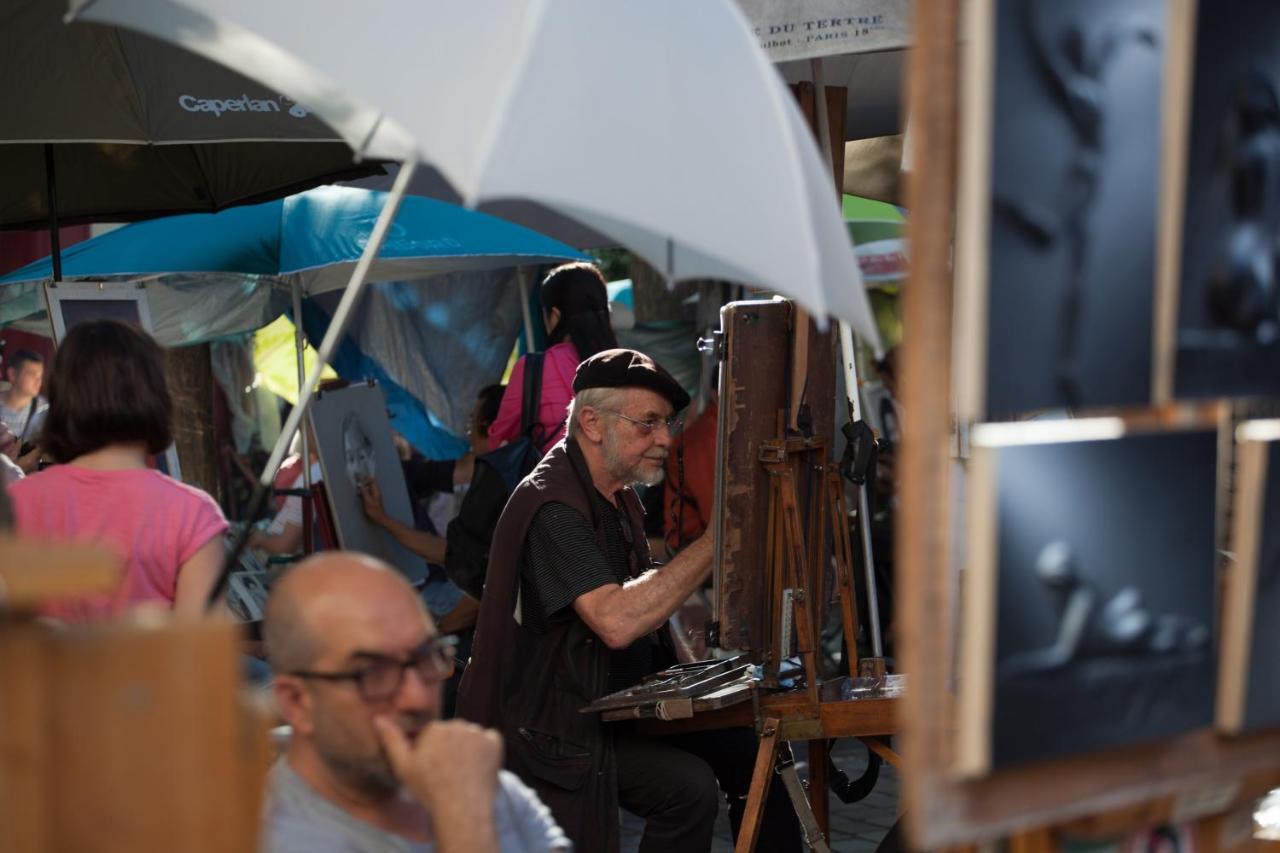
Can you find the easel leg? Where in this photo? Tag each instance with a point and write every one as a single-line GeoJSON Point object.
{"type": "Point", "coordinates": [883, 750]}
{"type": "Point", "coordinates": [814, 837]}
{"type": "Point", "coordinates": [817, 581]}
{"type": "Point", "coordinates": [819, 750]}
{"type": "Point", "coordinates": [1034, 841]}
{"type": "Point", "coordinates": [795, 559]}
{"type": "Point", "coordinates": [844, 568]}
{"type": "Point", "coordinates": [761, 777]}
{"type": "Point", "coordinates": [776, 580]}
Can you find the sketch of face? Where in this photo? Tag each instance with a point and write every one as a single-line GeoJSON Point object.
{"type": "Point", "coordinates": [358, 451]}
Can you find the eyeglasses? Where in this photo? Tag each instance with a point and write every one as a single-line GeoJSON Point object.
{"type": "Point", "coordinates": [434, 661]}
{"type": "Point", "coordinates": [671, 424]}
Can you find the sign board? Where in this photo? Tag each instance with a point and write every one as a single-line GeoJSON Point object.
{"type": "Point", "coordinates": [788, 30]}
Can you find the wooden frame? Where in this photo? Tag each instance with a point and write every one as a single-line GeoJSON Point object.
{"type": "Point", "coordinates": [1179, 70]}
{"type": "Point", "coordinates": [940, 809]}
{"type": "Point", "coordinates": [1256, 441]}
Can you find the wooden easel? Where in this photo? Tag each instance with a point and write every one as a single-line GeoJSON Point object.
{"type": "Point", "coordinates": [796, 572]}
{"type": "Point", "coordinates": [123, 736]}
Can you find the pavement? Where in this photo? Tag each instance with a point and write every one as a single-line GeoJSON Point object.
{"type": "Point", "coordinates": [855, 828]}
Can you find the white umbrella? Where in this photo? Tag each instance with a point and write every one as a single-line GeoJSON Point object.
{"type": "Point", "coordinates": [640, 119]}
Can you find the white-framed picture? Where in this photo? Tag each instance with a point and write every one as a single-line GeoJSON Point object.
{"type": "Point", "coordinates": [74, 302]}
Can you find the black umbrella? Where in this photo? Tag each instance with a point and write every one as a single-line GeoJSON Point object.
{"type": "Point", "coordinates": [102, 124]}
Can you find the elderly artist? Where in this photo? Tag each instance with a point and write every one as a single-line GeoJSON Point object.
{"type": "Point", "coordinates": [370, 767]}
{"type": "Point", "coordinates": [572, 610]}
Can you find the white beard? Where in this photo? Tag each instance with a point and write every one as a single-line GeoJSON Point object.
{"type": "Point", "coordinates": [629, 474]}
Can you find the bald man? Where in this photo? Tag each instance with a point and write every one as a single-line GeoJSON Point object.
{"type": "Point", "coordinates": [359, 667]}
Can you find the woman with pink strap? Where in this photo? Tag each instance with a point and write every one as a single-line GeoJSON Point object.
{"type": "Point", "coordinates": [575, 309]}
{"type": "Point", "coordinates": [109, 412]}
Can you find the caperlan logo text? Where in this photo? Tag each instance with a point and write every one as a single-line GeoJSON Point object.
{"type": "Point", "coordinates": [242, 104]}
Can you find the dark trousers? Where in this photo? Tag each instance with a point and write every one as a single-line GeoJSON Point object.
{"type": "Point", "coordinates": [674, 783]}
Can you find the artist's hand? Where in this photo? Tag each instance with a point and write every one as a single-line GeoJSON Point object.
{"type": "Point", "coordinates": [452, 769]}
{"type": "Point", "coordinates": [371, 502]}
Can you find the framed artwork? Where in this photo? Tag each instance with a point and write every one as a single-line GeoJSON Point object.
{"type": "Point", "coordinates": [1057, 204]}
{"type": "Point", "coordinates": [73, 302]}
{"type": "Point", "coordinates": [1089, 590]}
{"type": "Point", "coordinates": [1218, 333]}
{"type": "Point", "coordinates": [353, 440]}
{"type": "Point", "coordinates": [1249, 674]}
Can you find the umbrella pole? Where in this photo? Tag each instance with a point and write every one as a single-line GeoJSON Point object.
{"type": "Point", "coordinates": [299, 346]}
{"type": "Point", "coordinates": [337, 326]}
{"type": "Point", "coordinates": [852, 392]}
{"type": "Point", "coordinates": [51, 196]}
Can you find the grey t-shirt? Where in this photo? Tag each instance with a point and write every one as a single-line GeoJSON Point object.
{"type": "Point", "coordinates": [301, 821]}
{"type": "Point", "coordinates": [16, 419]}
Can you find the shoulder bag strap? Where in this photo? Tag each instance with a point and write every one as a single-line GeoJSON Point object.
{"type": "Point", "coordinates": [532, 393]}
{"type": "Point", "coordinates": [31, 413]}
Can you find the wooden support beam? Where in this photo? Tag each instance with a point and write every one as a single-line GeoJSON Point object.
{"type": "Point", "coordinates": [924, 620]}
{"type": "Point", "coordinates": [761, 778]}
{"type": "Point", "coordinates": [33, 573]}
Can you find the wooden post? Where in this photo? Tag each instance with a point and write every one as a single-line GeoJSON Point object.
{"type": "Point", "coordinates": [652, 299]}
{"type": "Point", "coordinates": [924, 619]}
{"type": "Point", "coordinates": [127, 737]}
{"type": "Point", "coordinates": [26, 775]}
{"type": "Point", "coordinates": [190, 375]}
{"type": "Point", "coordinates": [123, 736]}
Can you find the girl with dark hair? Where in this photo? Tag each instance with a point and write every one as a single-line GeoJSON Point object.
{"type": "Point", "coordinates": [575, 308]}
{"type": "Point", "coordinates": [109, 410]}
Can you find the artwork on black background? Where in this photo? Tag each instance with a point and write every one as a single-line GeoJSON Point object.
{"type": "Point", "coordinates": [353, 440]}
{"type": "Point", "coordinates": [1058, 204]}
{"type": "Point", "coordinates": [1090, 591]}
{"type": "Point", "coordinates": [1220, 335]}
{"type": "Point", "coordinates": [1249, 680]}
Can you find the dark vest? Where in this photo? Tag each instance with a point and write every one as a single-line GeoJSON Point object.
{"type": "Point", "coordinates": [530, 685]}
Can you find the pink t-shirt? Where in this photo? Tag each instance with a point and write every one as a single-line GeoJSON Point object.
{"type": "Point", "coordinates": [153, 522]}
{"type": "Point", "coordinates": [558, 366]}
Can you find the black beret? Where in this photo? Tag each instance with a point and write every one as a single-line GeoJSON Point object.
{"type": "Point", "coordinates": [626, 368]}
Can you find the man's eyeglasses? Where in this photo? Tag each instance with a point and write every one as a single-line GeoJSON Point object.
{"type": "Point", "coordinates": [434, 661]}
{"type": "Point", "coordinates": [671, 424]}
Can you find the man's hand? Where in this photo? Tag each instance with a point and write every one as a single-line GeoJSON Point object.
{"type": "Point", "coordinates": [371, 502]}
{"type": "Point", "coordinates": [9, 444]}
{"type": "Point", "coordinates": [29, 462]}
{"type": "Point", "coordinates": [452, 769]}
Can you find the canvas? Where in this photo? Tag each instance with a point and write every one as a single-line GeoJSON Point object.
{"type": "Point", "coordinates": [1058, 204]}
{"type": "Point", "coordinates": [353, 440]}
{"type": "Point", "coordinates": [1220, 328]}
{"type": "Point", "coordinates": [1094, 559]}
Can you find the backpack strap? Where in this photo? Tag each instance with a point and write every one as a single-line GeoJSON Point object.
{"type": "Point", "coordinates": [532, 393]}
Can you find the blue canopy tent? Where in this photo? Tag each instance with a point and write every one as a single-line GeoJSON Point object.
{"type": "Point", "coordinates": [212, 275]}
{"type": "Point", "coordinates": [313, 237]}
